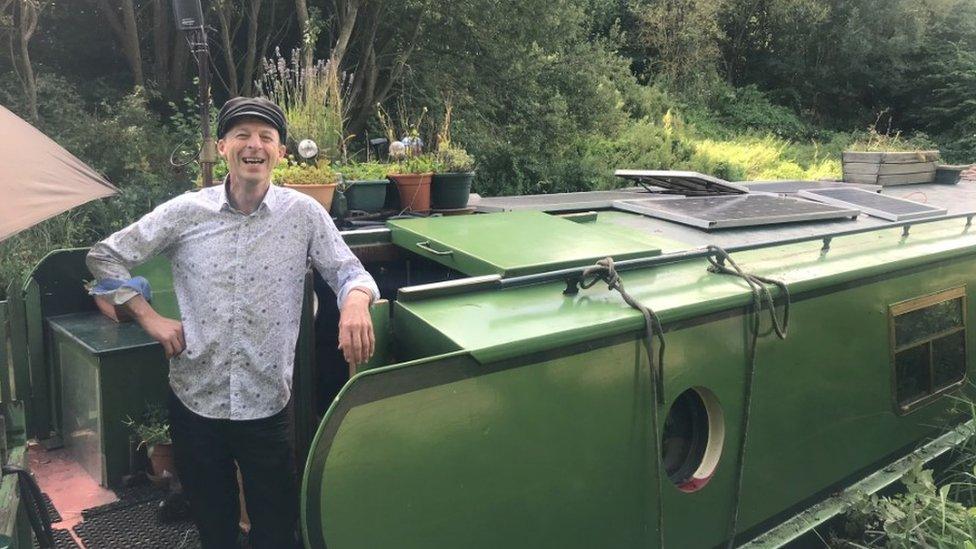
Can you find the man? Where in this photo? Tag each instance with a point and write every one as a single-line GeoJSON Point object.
{"type": "Point", "coordinates": [239, 253]}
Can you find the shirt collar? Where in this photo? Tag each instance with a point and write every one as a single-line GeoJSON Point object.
{"type": "Point", "coordinates": [270, 202]}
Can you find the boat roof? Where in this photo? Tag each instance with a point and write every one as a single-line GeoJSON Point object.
{"type": "Point", "coordinates": [955, 199]}
{"type": "Point", "coordinates": [486, 315]}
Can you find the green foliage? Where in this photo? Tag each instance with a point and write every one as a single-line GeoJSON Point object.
{"type": "Point", "coordinates": [873, 140]}
{"type": "Point", "coordinates": [292, 172]}
{"type": "Point", "coordinates": [924, 515]}
{"type": "Point", "coordinates": [418, 163]}
{"type": "Point", "coordinates": [364, 171]}
{"type": "Point", "coordinates": [933, 507]}
{"type": "Point", "coordinates": [762, 158]}
{"type": "Point", "coordinates": [732, 111]}
{"type": "Point", "coordinates": [153, 428]}
{"type": "Point", "coordinates": [682, 37]}
{"type": "Point", "coordinates": [453, 159]}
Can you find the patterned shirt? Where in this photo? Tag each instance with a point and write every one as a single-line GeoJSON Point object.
{"type": "Point", "coordinates": [239, 281]}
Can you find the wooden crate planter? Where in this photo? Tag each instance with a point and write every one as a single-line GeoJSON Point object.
{"type": "Point", "coordinates": [890, 168]}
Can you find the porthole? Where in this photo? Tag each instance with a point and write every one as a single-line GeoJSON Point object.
{"type": "Point", "coordinates": [691, 444]}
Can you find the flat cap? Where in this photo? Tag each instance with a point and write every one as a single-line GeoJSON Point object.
{"type": "Point", "coordinates": [253, 107]}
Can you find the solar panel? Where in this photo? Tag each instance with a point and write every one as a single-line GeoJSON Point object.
{"type": "Point", "coordinates": [793, 187]}
{"type": "Point", "coordinates": [874, 204]}
{"type": "Point", "coordinates": [689, 183]}
{"type": "Point", "coordinates": [562, 202]}
{"type": "Point", "coordinates": [719, 212]}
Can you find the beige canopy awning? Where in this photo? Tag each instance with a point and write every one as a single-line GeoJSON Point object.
{"type": "Point", "coordinates": [38, 178]}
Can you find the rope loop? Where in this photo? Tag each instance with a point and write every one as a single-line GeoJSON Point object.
{"type": "Point", "coordinates": [605, 271]}
{"type": "Point", "coordinates": [722, 263]}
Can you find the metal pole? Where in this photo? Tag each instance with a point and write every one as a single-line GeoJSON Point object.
{"type": "Point", "coordinates": [208, 148]}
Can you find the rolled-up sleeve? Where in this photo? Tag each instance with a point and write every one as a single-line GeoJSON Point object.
{"type": "Point", "coordinates": [333, 259]}
{"type": "Point", "coordinates": [113, 257]}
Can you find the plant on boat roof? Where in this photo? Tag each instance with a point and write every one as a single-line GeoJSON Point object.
{"type": "Point", "coordinates": [451, 156]}
{"type": "Point", "coordinates": [876, 141]}
{"type": "Point", "coordinates": [154, 427]}
{"type": "Point", "coordinates": [421, 163]}
{"type": "Point", "coordinates": [363, 171]}
{"type": "Point", "coordinates": [404, 134]}
{"type": "Point", "coordinates": [315, 101]}
{"type": "Point", "coordinates": [454, 159]}
{"type": "Point", "coordinates": [291, 172]}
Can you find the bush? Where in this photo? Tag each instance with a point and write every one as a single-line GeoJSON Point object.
{"type": "Point", "coordinates": [748, 110]}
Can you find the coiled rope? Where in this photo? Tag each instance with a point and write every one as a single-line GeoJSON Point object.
{"type": "Point", "coordinates": [605, 271]}
{"type": "Point", "coordinates": [722, 263]}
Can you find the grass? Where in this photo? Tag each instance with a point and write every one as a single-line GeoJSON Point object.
{"type": "Point", "coordinates": [768, 157]}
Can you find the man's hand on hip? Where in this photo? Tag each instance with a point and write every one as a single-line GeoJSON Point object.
{"type": "Point", "coordinates": [168, 332]}
{"type": "Point", "coordinates": [356, 328]}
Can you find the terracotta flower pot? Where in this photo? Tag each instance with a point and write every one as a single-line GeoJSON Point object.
{"type": "Point", "coordinates": [161, 457]}
{"type": "Point", "coordinates": [322, 193]}
{"type": "Point", "coordinates": [414, 190]}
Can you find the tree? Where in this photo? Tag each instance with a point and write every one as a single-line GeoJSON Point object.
{"type": "Point", "coordinates": [18, 20]}
{"type": "Point", "coordinates": [168, 56]}
{"type": "Point", "coordinates": [373, 42]}
{"type": "Point", "coordinates": [170, 51]}
{"type": "Point", "coordinates": [308, 30]}
{"type": "Point", "coordinates": [247, 29]}
{"type": "Point", "coordinates": [121, 18]}
{"type": "Point", "coordinates": [682, 37]}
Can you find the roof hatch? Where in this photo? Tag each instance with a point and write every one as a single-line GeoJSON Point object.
{"type": "Point", "coordinates": [513, 243]}
{"type": "Point", "coordinates": [687, 183]}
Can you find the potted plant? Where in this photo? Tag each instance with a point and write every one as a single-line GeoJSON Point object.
{"type": "Point", "coordinates": [365, 184]}
{"type": "Point", "coordinates": [451, 185]}
{"type": "Point", "coordinates": [317, 180]}
{"type": "Point", "coordinates": [412, 176]}
{"type": "Point", "coordinates": [153, 433]}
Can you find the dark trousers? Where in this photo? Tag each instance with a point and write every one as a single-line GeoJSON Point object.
{"type": "Point", "coordinates": [205, 451]}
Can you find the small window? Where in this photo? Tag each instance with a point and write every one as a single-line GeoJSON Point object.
{"type": "Point", "coordinates": [928, 340]}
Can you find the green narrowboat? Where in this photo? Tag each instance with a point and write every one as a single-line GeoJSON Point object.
{"type": "Point", "coordinates": [684, 363]}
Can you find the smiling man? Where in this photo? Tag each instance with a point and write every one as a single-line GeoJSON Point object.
{"type": "Point", "coordinates": [239, 253]}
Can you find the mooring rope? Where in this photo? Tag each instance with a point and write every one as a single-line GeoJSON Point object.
{"type": "Point", "coordinates": [722, 263]}
{"type": "Point", "coordinates": [604, 270]}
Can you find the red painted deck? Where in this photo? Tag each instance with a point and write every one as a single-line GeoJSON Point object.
{"type": "Point", "coordinates": [69, 486]}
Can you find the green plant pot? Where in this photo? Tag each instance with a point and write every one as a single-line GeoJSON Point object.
{"type": "Point", "coordinates": [366, 195]}
{"type": "Point", "coordinates": [450, 191]}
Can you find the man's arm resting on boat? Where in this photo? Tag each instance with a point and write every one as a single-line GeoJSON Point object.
{"type": "Point", "coordinates": [167, 331]}
{"type": "Point", "coordinates": [112, 258]}
{"type": "Point", "coordinates": [151, 235]}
